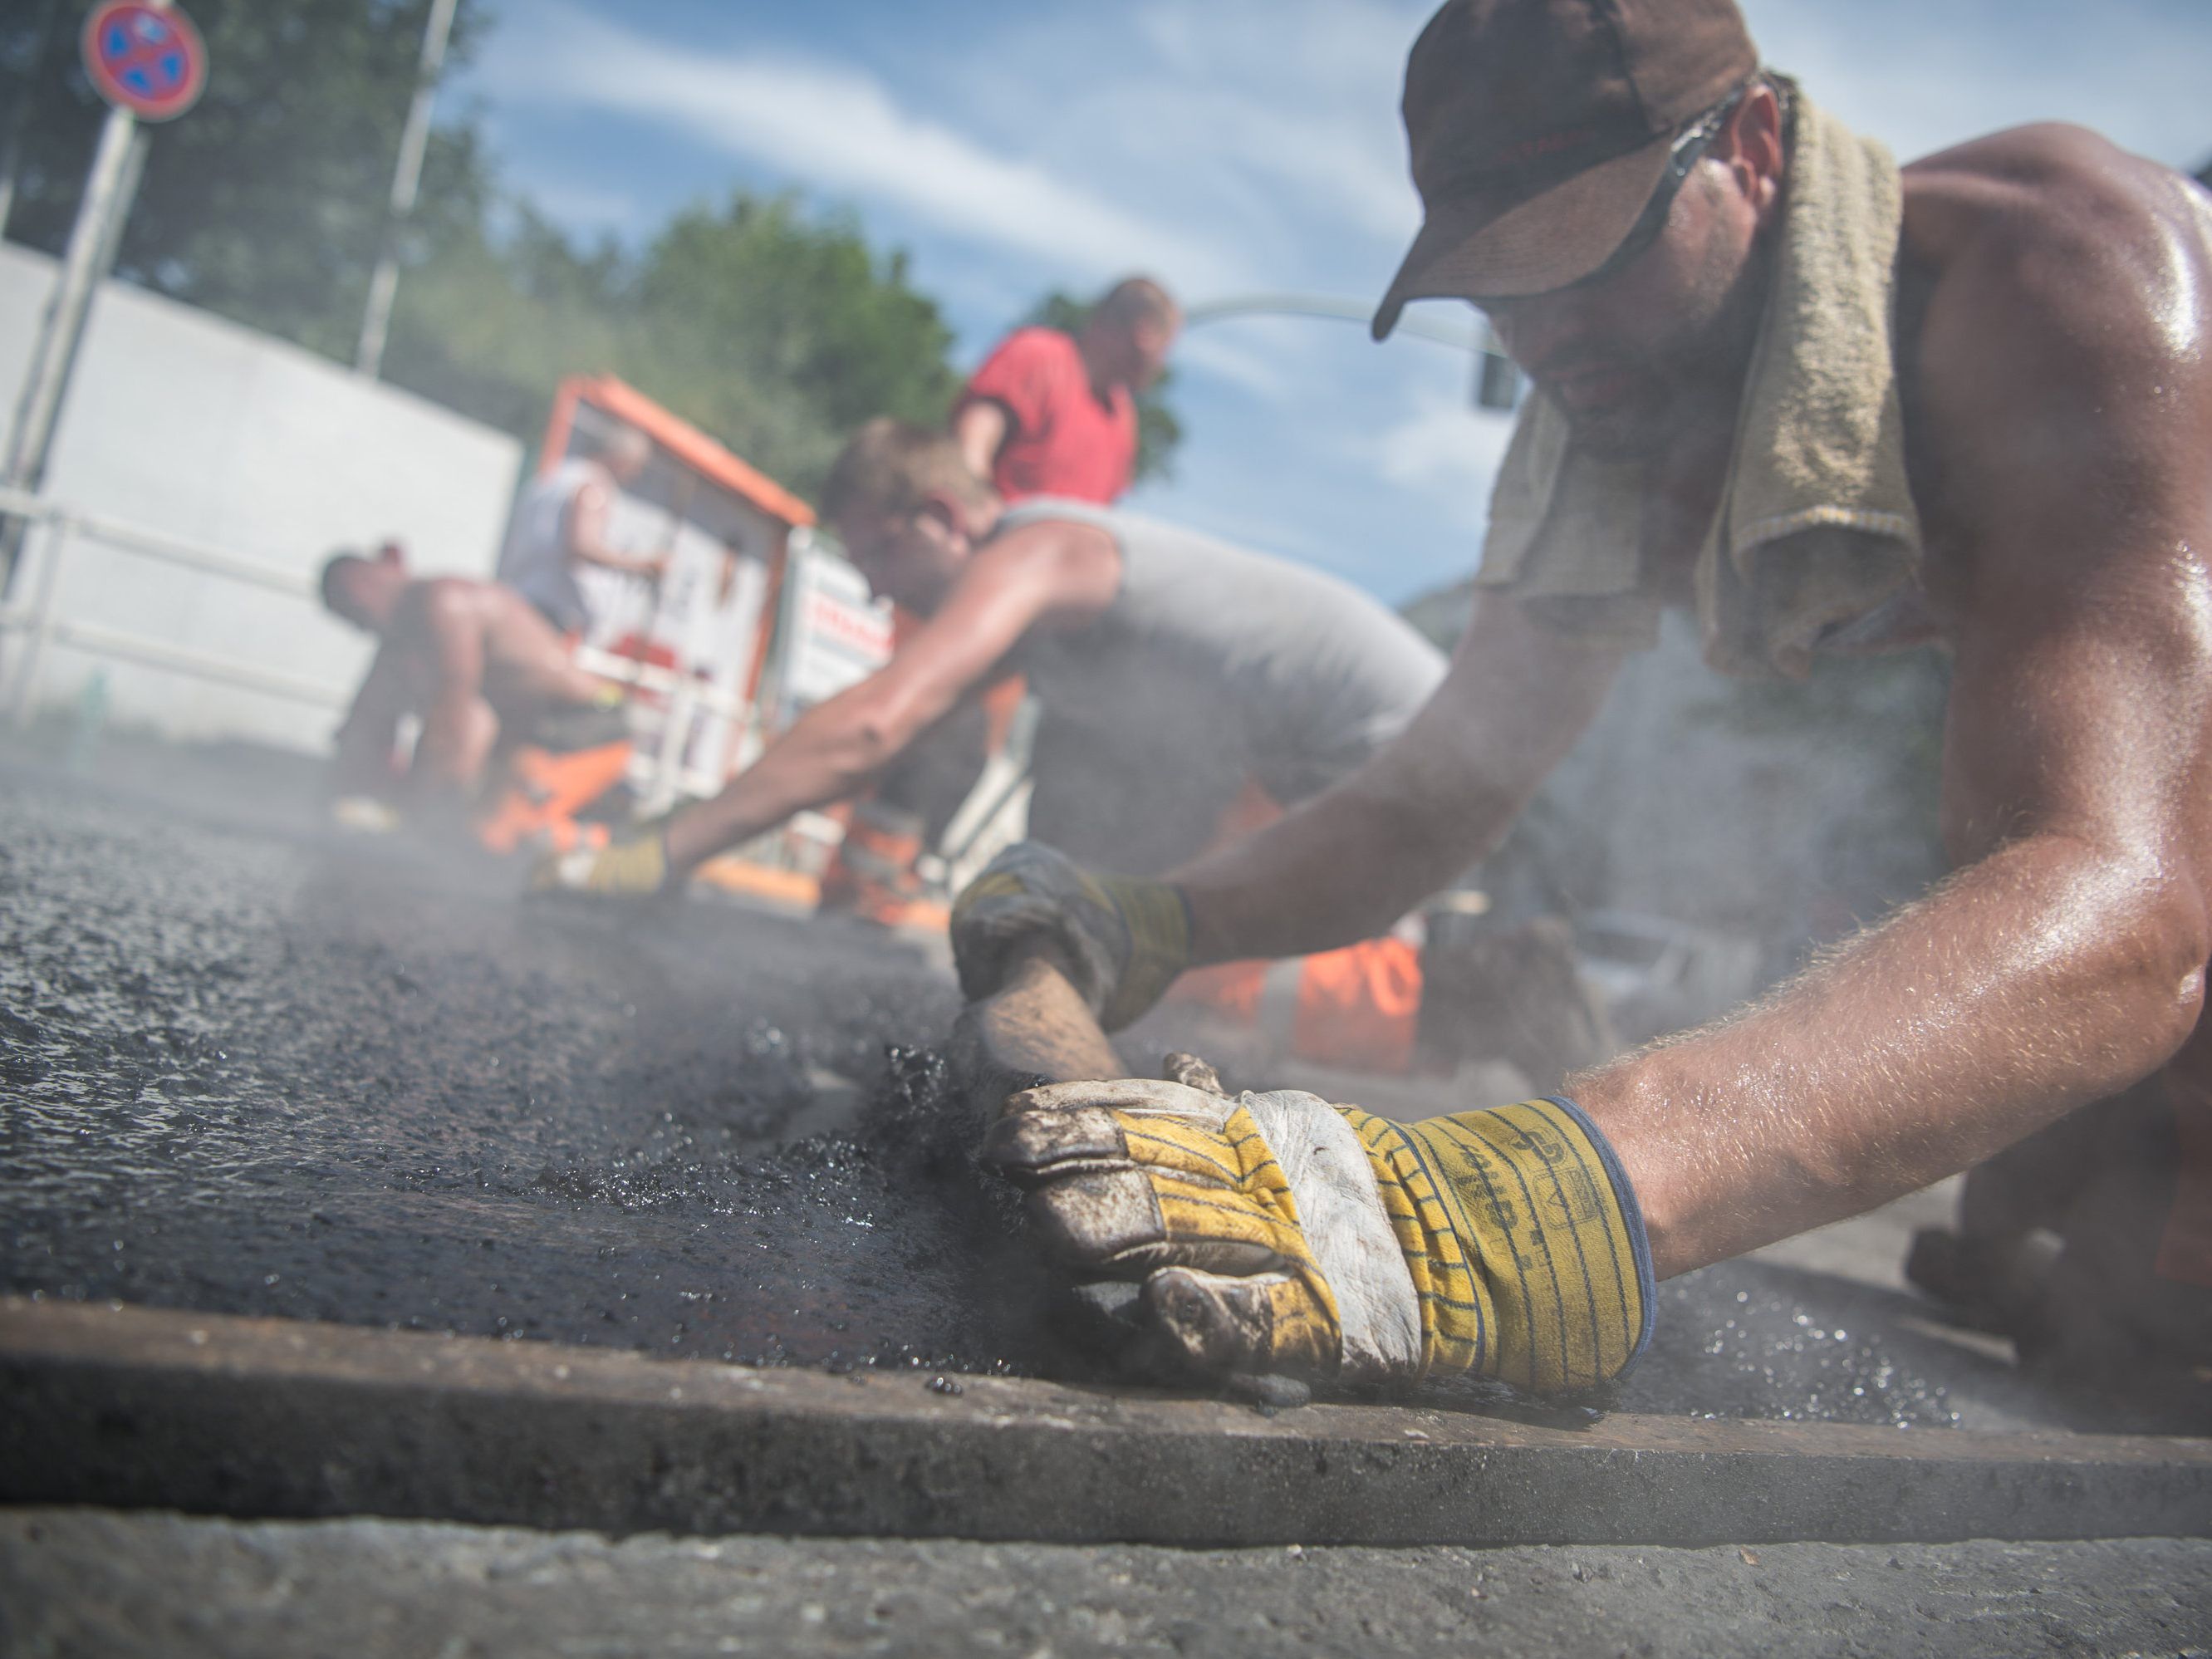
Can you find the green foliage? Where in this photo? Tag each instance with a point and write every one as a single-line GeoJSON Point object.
{"type": "Point", "coordinates": [777, 334]}
{"type": "Point", "coordinates": [266, 203]}
{"type": "Point", "coordinates": [1159, 433]}
{"type": "Point", "coordinates": [775, 330]}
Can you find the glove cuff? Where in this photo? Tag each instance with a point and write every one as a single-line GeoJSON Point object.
{"type": "Point", "coordinates": [1157, 916]}
{"type": "Point", "coordinates": [1524, 1240]}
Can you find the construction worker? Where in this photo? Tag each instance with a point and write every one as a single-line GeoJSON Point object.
{"type": "Point", "coordinates": [514, 735]}
{"type": "Point", "coordinates": [1048, 414]}
{"type": "Point", "coordinates": [556, 554]}
{"type": "Point", "coordinates": [1824, 405]}
{"type": "Point", "coordinates": [1182, 666]}
{"type": "Point", "coordinates": [1054, 414]}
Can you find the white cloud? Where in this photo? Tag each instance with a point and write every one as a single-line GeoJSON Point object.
{"type": "Point", "coordinates": [1448, 451]}
{"type": "Point", "coordinates": [841, 130]}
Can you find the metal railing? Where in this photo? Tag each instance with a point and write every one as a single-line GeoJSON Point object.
{"type": "Point", "coordinates": [40, 625]}
{"type": "Point", "coordinates": [43, 627]}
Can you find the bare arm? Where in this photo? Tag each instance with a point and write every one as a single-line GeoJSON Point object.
{"type": "Point", "coordinates": [1352, 861]}
{"type": "Point", "coordinates": [980, 429]}
{"type": "Point", "coordinates": [363, 756]}
{"type": "Point", "coordinates": [2065, 960]}
{"type": "Point", "coordinates": [459, 727]}
{"type": "Point", "coordinates": [587, 536]}
{"type": "Point", "coordinates": [1044, 572]}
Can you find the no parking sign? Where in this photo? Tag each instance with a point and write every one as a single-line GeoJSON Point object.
{"type": "Point", "coordinates": [144, 58]}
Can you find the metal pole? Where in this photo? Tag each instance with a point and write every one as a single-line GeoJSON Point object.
{"type": "Point", "coordinates": [1497, 381]}
{"type": "Point", "coordinates": [63, 325]}
{"type": "Point", "coordinates": [414, 140]}
{"type": "Point", "coordinates": [19, 120]}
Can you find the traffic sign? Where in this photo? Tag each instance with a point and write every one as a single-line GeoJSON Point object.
{"type": "Point", "coordinates": [144, 58]}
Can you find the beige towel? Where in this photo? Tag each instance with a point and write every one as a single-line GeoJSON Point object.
{"type": "Point", "coordinates": [1817, 521]}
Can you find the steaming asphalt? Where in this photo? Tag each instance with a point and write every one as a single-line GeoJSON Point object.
{"type": "Point", "coordinates": [246, 1068]}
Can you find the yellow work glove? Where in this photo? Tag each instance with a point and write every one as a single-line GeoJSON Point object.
{"type": "Point", "coordinates": [1277, 1233]}
{"type": "Point", "coordinates": [634, 867]}
{"type": "Point", "coordinates": [1126, 939]}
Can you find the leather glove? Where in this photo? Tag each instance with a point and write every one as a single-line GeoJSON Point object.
{"type": "Point", "coordinates": [1277, 1233]}
{"type": "Point", "coordinates": [1126, 939]}
{"type": "Point", "coordinates": [635, 866]}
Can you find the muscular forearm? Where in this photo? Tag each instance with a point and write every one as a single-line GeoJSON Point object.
{"type": "Point", "coordinates": [1343, 867]}
{"type": "Point", "coordinates": [825, 757]}
{"type": "Point", "coordinates": [2046, 976]}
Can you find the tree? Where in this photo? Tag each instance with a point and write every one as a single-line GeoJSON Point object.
{"type": "Point", "coordinates": [1160, 432]}
{"type": "Point", "coordinates": [265, 203]}
{"type": "Point", "coordinates": [775, 332]}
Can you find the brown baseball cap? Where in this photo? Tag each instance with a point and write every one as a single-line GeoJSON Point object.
{"type": "Point", "coordinates": [1539, 128]}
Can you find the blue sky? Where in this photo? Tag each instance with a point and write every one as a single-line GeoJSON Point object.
{"type": "Point", "coordinates": [1232, 147]}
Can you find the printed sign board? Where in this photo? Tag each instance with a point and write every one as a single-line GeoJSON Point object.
{"type": "Point", "coordinates": [146, 59]}
{"type": "Point", "coordinates": [837, 634]}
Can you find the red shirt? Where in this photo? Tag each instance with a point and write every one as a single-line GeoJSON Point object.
{"type": "Point", "coordinates": [1060, 439]}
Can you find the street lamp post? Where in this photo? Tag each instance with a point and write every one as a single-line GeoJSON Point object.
{"type": "Point", "coordinates": [407, 176]}
{"type": "Point", "coordinates": [1497, 384]}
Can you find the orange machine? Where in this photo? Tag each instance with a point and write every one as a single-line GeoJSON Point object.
{"type": "Point", "coordinates": [750, 625]}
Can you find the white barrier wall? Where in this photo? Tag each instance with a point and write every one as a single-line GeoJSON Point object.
{"type": "Point", "coordinates": [181, 423]}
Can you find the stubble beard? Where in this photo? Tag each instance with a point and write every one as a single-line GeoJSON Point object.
{"type": "Point", "coordinates": [1691, 383]}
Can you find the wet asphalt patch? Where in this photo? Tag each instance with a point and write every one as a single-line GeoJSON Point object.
{"type": "Point", "coordinates": [246, 1068]}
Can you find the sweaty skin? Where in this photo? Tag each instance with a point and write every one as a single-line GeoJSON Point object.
{"type": "Point", "coordinates": [2059, 399]}
{"type": "Point", "coordinates": [981, 595]}
{"type": "Point", "coordinates": [467, 658]}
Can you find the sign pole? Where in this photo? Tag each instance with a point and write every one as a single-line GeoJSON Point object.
{"type": "Point", "coordinates": [158, 66]}
{"type": "Point", "coordinates": [32, 436]}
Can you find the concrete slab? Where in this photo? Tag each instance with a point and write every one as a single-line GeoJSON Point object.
{"type": "Point", "coordinates": [140, 1407]}
{"type": "Point", "coordinates": [87, 1582]}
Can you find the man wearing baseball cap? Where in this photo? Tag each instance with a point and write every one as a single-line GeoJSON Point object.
{"type": "Point", "coordinates": [1824, 405]}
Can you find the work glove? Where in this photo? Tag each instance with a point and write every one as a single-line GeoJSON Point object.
{"type": "Point", "coordinates": [635, 866]}
{"type": "Point", "coordinates": [1276, 1234]}
{"type": "Point", "coordinates": [1125, 939]}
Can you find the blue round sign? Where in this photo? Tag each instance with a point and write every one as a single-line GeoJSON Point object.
{"type": "Point", "coordinates": [147, 59]}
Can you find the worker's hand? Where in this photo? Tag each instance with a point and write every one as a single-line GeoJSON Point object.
{"type": "Point", "coordinates": [634, 867]}
{"type": "Point", "coordinates": [1125, 939]}
{"type": "Point", "coordinates": [1277, 1233]}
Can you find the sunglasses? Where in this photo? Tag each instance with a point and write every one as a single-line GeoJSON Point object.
{"type": "Point", "coordinates": [1688, 149]}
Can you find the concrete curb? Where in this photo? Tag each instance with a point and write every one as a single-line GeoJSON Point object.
{"type": "Point", "coordinates": [133, 1408]}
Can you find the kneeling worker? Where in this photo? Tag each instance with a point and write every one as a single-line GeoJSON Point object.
{"type": "Point", "coordinates": [487, 676]}
{"type": "Point", "coordinates": [1827, 404]}
{"type": "Point", "coordinates": [1176, 670]}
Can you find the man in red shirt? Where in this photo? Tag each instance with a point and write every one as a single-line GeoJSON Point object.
{"type": "Point", "coordinates": [1054, 414]}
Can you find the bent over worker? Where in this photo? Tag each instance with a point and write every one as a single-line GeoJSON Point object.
{"type": "Point", "coordinates": [1827, 404]}
{"type": "Point", "coordinates": [1179, 667]}
{"type": "Point", "coordinates": [1047, 414]}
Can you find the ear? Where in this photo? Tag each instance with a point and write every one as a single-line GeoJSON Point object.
{"type": "Point", "coordinates": [1751, 148]}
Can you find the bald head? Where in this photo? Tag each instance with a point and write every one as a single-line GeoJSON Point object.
{"type": "Point", "coordinates": [623, 451]}
{"type": "Point", "coordinates": [1130, 332]}
{"type": "Point", "coordinates": [364, 591]}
